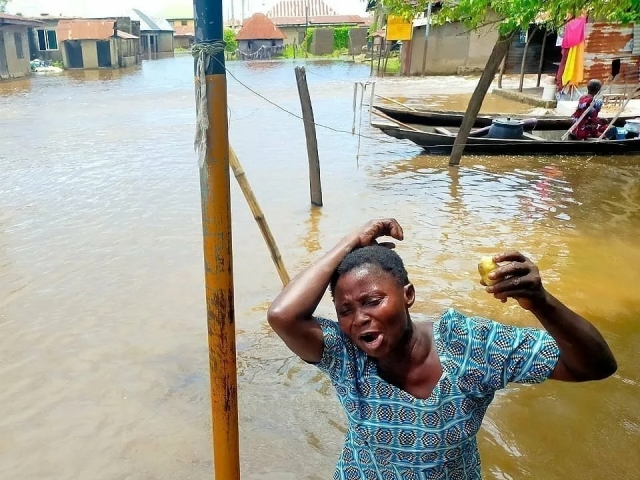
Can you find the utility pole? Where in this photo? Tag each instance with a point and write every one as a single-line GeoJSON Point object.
{"type": "Point", "coordinates": [215, 196]}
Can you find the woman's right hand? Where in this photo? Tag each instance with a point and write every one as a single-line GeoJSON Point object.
{"type": "Point", "coordinates": [374, 229]}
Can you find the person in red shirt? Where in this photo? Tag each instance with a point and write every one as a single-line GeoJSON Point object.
{"type": "Point", "coordinates": [591, 126]}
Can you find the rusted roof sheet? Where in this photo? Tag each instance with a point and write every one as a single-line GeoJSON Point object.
{"type": "Point", "coordinates": [606, 42]}
{"type": "Point", "coordinates": [322, 20]}
{"type": "Point", "coordinates": [298, 8]}
{"type": "Point", "coordinates": [259, 27]}
{"type": "Point", "coordinates": [183, 31]}
{"type": "Point", "coordinates": [6, 19]}
{"type": "Point", "coordinates": [126, 35]}
{"type": "Point", "coordinates": [86, 29]}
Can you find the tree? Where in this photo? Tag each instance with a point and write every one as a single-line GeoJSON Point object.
{"type": "Point", "coordinates": [510, 16]}
{"type": "Point", "coordinates": [3, 5]}
{"type": "Point", "coordinates": [230, 40]}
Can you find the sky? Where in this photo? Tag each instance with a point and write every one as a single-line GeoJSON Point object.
{"type": "Point", "coordinates": [160, 8]}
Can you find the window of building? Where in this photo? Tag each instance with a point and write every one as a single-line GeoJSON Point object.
{"type": "Point", "coordinates": [17, 37]}
{"type": "Point", "coordinates": [47, 40]}
{"type": "Point", "coordinates": [184, 23]}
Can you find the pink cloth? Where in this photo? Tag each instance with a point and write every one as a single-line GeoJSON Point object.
{"type": "Point", "coordinates": [574, 32]}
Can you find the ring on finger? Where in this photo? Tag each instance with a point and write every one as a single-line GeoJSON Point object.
{"type": "Point", "coordinates": [516, 281]}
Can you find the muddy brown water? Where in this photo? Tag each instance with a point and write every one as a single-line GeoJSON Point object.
{"type": "Point", "coordinates": [103, 357]}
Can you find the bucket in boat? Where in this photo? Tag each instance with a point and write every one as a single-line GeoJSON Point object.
{"type": "Point", "coordinates": [549, 93]}
{"type": "Point", "coordinates": [632, 125]}
{"type": "Point", "coordinates": [621, 134]}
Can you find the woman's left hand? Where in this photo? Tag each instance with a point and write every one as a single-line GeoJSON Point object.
{"type": "Point", "coordinates": [518, 279]}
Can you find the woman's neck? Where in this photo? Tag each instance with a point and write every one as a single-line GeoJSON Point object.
{"type": "Point", "coordinates": [412, 350]}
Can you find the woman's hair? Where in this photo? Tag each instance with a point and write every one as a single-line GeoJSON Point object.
{"type": "Point", "coordinates": [377, 256]}
{"type": "Point", "coordinates": [593, 87]}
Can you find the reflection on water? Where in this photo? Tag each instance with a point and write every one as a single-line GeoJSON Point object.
{"type": "Point", "coordinates": [103, 339]}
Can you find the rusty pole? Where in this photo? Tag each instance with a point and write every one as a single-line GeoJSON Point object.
{"type": "Point", "coordinates": [218, 265]}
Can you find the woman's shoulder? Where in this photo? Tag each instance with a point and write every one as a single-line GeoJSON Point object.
{"type": "Point", "coordinates": [455, 324]}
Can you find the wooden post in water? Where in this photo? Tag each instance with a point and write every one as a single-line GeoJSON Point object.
{"type": "Point", "coordinates": [216, 229]}
{"type": "Point", "coordinates": [259, 217]}
{"type": "Point", "coordinates": [312, 141]}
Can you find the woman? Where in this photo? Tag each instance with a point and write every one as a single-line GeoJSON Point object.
{"type": "Point", "coordinates": [415, 393]}
{"type": "Point", "coordinates": [591, 126]}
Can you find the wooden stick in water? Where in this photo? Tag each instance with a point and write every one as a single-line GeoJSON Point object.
{"type": "Point", "coordinates": [241, 177]}
{"type": "Point", "coordinates": [396, 102]}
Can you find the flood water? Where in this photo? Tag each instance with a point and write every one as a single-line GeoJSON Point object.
{"type": "Point", "coordinates": [103, 348]}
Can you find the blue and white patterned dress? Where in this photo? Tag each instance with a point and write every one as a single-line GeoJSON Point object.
{"type": "Point", "coordinates": [394, 436]}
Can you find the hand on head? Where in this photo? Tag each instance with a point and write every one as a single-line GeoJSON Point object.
{"type": "Point", "coordinates": [374, 229]}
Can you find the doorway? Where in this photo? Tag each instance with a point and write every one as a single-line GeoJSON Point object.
{"type": "Point", "coordinates": [74, 53]}
{"type": "Point", "coordinates": [104, 53]}
{"type": "Point", "coordinates": [4, 66]}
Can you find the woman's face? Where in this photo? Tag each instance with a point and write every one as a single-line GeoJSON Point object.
{"type": "Point", "coordinates": [372, 309]}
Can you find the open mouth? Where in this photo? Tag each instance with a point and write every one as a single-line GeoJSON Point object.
{"type": "Point", "coordinates": [371, 340]}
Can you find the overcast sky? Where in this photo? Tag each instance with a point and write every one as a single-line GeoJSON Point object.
{"type": "Point", "coordinates": [159, 8]}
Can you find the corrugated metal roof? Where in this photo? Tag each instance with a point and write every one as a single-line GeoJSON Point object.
{"type": "Point", "coordinates": [126, 35]}
{"type": "Point", "coordinates": [636, 39]}
{"type": "Point", "coordinates": [322, 20]}
{"type": "Point", "coordinates": [6, 19]}
{"type": "Point", "coordinates": [86, 29]}
{"type": "Point", "coordinates": [298, 8]}
{"type": "Point", "coordinates": [259, 27]}
{"type": "Point", "coordinates": [149, 23]}
{"type": "Point", "coordinates": [604, 43]}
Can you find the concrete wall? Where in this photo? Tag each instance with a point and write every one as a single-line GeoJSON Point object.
{"type": "Point", "coordinates": [89, 54]}
{"type": "Point", "coordinates": [52, 55]}
{"type": "Point", "coordinates": [183, 42]}
{"type": "Point", "coordinates": [165, 42]}
{"type": "Point", "coordinates": [17, 67]}
{"type": "Point", "coordinates": [294, 35]}
{"type": "Point", "coordinates": [322, 43]}
{"type": "Point", "coordinates": [243, 45]}
{"type": "Point", "coordinates": [358, 36]}
{"type": "Point", "coordinates": [451, 49]}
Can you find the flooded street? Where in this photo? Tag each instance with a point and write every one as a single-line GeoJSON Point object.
{"type": "Point", "coordinates": [103, 348]}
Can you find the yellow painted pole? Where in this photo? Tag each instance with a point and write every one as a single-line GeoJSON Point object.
{"type": "Point", "coordinates": [216, 228]}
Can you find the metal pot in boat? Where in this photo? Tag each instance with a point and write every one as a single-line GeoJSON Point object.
{"type": "Point", "coordinates": [506, 128]}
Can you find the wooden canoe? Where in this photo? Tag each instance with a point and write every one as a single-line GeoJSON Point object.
{"type": "Point", "coordinates": [439, 140]}
{"type": "Point", "coordinates": [445, 118]}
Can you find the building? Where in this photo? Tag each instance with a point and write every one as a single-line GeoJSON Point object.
{"type": "Point", "coordinates": [259, 37]}
{"type": "Point", "coordinates": [14, 46]}
{"type": "Point", "coordinates": [93, 44]}
{"type": "Point", "coordinates": [293, 17]}
{"type": "Point", "coordinates": [43, 39]}
{"type": "Point", "coordinates": [184, 32]}
{"type": "Point", "coordinates": [156, 35]}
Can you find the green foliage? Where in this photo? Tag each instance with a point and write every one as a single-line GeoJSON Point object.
{"type": "Point", "coordinates": [289, 51]}
{"type": "Point", "coordinates": [511, 15]}
{"type": "Point", "coordinates": [3, 5]}
{"type": "Point", "coordinates": [308, 39]}
{"type": "Point", "coordinates": [229, 37]}
{"type": "Point", "coordinates": [341, 38]}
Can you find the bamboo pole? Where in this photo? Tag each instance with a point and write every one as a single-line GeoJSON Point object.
{"type": "Point", "coordinates": [259, 217]}
{"type": "Point", "coordinates": [617, 116]}
{"type": "Point", "coordinates": [217, 245]}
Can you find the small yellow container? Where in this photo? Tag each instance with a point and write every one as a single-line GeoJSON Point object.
{"type": "Point", "coordinates": [485, 267]}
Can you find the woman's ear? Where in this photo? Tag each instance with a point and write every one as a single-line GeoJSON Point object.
{"type": "Point", "coordinates": [409, 295]}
